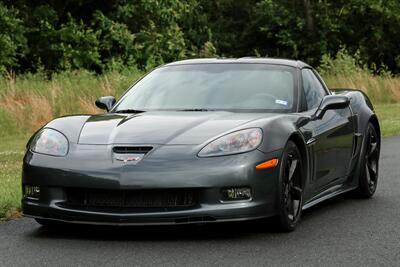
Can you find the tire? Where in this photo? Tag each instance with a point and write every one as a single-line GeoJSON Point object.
{"type": "Point", "coordinates": [290, 188]}
{"type": "Point", "coordinates": [369, 164]}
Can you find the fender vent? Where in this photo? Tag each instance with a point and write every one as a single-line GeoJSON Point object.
{"type": "Point", "coordinates": [132, 149]}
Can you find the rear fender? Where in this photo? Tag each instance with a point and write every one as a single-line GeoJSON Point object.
{"type": "Point", "coordinates": [362, 107]}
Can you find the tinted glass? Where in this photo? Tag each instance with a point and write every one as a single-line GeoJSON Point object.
{"type": "Point", "coordinates": [313, 89]}
{"type": "Point", "coordinates": [214, 86]}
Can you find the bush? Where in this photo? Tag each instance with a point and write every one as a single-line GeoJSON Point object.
{"type": "Point", "coordinates": [342, 64]}
{"type": "Point", "coordinates": [79, 46]}
{"type": "Point", "coordinates": [12, 38]}
{"type": "Point", "coordinates": [117, 43]}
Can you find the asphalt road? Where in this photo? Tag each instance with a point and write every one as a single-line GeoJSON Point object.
{"type": "Point", "coordinates": [340, 232]}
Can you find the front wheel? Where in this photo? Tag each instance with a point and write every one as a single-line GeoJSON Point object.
{"type": "Point", "coordinates": [290, 194]}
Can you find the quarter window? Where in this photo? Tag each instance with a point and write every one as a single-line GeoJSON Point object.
{"type": "Point", "coordinates": [313, 89]}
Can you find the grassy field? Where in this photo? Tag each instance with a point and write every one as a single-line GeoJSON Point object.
{"type": "Point", "coordinates": [389, 118]}
{"type": "Point", "coordinates": [11, 154]}
{"type": "Point", "coordinates": [28, 102]}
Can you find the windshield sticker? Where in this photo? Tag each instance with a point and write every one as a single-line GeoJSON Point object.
{"type": "Point", "coordinates": [281, 102]}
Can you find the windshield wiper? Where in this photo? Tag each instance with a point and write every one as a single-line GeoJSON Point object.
{"type": "Point", "coordinates": [196, 109]}
{"type": "Point", "coordinates": [129, 111]}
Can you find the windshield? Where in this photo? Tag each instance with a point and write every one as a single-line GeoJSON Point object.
{"type": "Point", "coordinates": [203, 87]}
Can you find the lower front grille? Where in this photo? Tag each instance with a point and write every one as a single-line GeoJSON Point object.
{"type": "Point", "coordinates": [168, 198]}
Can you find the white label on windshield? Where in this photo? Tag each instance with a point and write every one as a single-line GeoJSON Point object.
{"type": "Point", "coordinates": [281, 102]}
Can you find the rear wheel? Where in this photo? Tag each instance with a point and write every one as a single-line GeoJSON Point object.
{"type": "Point", "coordinates": [369, 167]}
{"type": "Point", "coordinates": [290, 195]}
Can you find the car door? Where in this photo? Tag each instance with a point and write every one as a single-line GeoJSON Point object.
{"type": "Point", "coordinates": [331, 137]}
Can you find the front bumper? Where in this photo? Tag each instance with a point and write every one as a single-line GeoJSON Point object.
{"type": "Point", "coordinates": [166, 167]}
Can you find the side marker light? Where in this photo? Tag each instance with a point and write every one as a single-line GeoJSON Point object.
{"type": "Point", "coordinates": [267, 164]}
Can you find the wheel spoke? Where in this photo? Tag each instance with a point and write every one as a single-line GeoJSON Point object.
{"type": "Point", "coordinates": [296, 192]}
{"type": "Point", "coordinates": [372, 148]}
{"type": "Point", "coordinates": [292, 168]}
{"type": "Point", "coordinates": [367, 174]}
{"type": "Point", "coordinates": [296, 205]}
{"type": "Point", "coordinates": [371, 173]}
{"type": "Point", "coordinates": [292, 192]}
{"type": "Point", "coordinates": [371, 161]}
{"type": "Point", "coordinates": [293, 202]}
{"type": "Point", "coordinates": [371, 166]}
{"type": "Point", "coordinates": [291, 207]}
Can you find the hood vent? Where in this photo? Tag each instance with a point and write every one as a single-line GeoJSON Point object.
{"type": "Point", "coordinates": [132, 149]}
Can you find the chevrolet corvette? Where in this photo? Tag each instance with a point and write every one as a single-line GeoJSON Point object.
{"type": "Point", "coordinates": [203, 141]}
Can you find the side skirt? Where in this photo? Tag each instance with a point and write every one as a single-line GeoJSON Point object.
{"type": "Point", "coordinates": [327, 194]}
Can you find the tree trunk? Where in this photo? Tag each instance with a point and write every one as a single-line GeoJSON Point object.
{"type": "Point", "coordinates": [308, 12]}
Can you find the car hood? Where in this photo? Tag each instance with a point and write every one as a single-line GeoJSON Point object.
{"type": "Point", "coordinates": [170, 127]}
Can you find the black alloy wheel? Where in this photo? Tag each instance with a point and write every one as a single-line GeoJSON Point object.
{"type": "Point", "coordinates": [368, 179]}
{"type": "Point", "coordinates": [290, 191]}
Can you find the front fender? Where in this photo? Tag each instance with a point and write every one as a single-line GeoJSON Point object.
{"type": "Point", "coordinates": [278, 131]}
{"type": "Point", "coordinates": [70, 126]}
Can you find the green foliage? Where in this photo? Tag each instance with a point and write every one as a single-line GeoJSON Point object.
{"type": "Point", "coordinates": [281, 28]}
{"type": "Point", "coordinates": [116, 42]}
{"type": "Point", "coordinates": [79, 46]}
{"type": "Point", "coordinates": [231, 26]}
{"type": "Point", "coordinates": [70, 45]}
{"type": "Point", "coordinates": [43, 39]}
{"type": "Point", "coordinates": [156, 25]}
{"type": "Point", "coordinates": [99, 36]}
{"type": "Point", "coordinates": [342, 64]}
{"type": "Point", "coordinates": [12, 38]}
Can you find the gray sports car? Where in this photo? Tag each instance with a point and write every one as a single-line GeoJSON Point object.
{"type": "Point", "coordinates": [205, 140]}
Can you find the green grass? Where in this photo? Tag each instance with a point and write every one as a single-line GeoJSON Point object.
{"type": "Point", "coordinates": [11, 154]}
{"type": "Point", "coordinates": [389, 118]}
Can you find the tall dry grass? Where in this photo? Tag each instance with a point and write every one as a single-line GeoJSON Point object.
{"type": "Point", "coordinates": [30, 101]}
{"type": "Point", "coordinates": [381, 89]}
{"type": "Point", "coordinates": [348, 71]}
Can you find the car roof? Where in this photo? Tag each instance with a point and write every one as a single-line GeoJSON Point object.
{"type": "Point", "coordinates": [248, 60]}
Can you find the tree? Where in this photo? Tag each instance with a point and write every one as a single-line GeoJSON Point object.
{"type": "Point", "coordinates": [12, 38]}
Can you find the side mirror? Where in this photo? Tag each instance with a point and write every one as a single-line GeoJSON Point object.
{"type": "Point", "coordinates": [331, 102]}
{"type": "Point", "coordinates": [105, 102]}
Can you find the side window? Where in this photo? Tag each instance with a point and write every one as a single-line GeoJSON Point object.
{"type": "Point", "coordinates": [313, 89]}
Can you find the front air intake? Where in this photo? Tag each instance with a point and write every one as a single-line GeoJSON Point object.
{"type": "Point", "coordinates": [137, 198]}
{"type": "Point", "coordinates": [132, 149]}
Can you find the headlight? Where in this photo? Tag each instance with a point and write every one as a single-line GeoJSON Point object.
{"type": "Point", "coordinates": [233, 143]}
{"type": "Point", "coordinates": [50, 142]}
